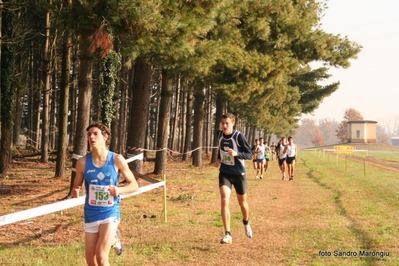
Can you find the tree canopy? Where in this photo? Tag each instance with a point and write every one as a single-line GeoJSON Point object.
{"type": "Point", "coordinates": [255, 56]}
{"type": "Point", "coordinates": [350, 114]}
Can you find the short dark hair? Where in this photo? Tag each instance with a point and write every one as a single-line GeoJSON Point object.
{"type": "Point", "coordinates": [104, 130]}
{"type": "Point", "coordinates": [229, 115]}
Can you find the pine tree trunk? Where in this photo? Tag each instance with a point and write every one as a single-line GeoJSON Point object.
{"type": "Point", "coordinates": [20, 91]}
{"type": "Point", "coordinates": [17, 115]}
{"type": "Point", "coordinates": [85, 93]}
{"type": "Point", "coordinates": [123, 113]}
{"type": "Point", "coordinates": [36, 107]}
{"type": "Point", "coordinates": [1, 44]}
{"type": "Point", "coordinates": [46, 93]}
{"type": "Point", "coordinates": [73, 97]}
{"type": "Point", "coordinates": [198, 125]}
{"type": "Point", "coordinates": [55, 95]}
{"type": "Point", "coordinates": [174, 133]}
{"type": "Point", "coordinates": [115, 125]}
{"type": "Point", "coordinates": [252, 135]}
{"type": "Point", "coordinates": [5, 148]}
{"type": "Point", "coordinates": [139, 110]}
{"type": "Point", "coordinates": [163, 123]}
{"type": "Point", "coordinates": [187, 143]}
{"type": "Point", "coordinates": [28, 132]}
{"type": "Point", "coordinates": [182, 120]}
{"type": "Point", "coordinates": [209, 123]}
{"type": "Point", "coordinates": [155, 115]}
{"type": "Point", "coordinates": [218, 115]}
{"type": "Point", "coordinates": [62, 145]}
{"type": "Point", "coordinates": [7, 87]}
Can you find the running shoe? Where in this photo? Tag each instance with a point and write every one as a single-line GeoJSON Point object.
{"type": "Point", "coordinates": [118, 244]}
{"type": "Point", "coordinates": [283, 176]}
{"type": "Point", "coordinates": [248, 230]}
{"type": "Point", "coordinates": [291, 178]}
{"type": "Point", "coordinates": [227, 239]}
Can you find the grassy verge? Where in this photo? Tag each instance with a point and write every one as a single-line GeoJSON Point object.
{"type": "Point", "coordinates": [367, 204]}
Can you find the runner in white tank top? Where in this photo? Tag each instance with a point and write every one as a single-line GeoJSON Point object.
{"type": "Point", "coordinates": [260, 159]}
{"type": "Point", "coordinates": [291, 157]}
{"type": "Point", "coordinates": [281, 150]}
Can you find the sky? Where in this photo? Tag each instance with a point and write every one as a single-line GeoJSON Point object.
{"type": "Point", "coordinates": [371, 84]}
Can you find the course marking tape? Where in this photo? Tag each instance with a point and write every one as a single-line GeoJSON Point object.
{"type": "Point", "coordinates": [62, 205]}
{"type": "Point", "coordinates": [70, 203]}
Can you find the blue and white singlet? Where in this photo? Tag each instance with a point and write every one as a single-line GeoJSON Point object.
{"type": "Point", "coordinates": [99, 204]}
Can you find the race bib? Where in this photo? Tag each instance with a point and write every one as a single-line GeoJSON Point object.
{"type": "Point", "coordinates": [99, 196]}
{"type": "Point", "coordinates": [226, 158]}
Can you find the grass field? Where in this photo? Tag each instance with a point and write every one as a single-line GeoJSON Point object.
{"type": "Point", "coordinates": [331, 214]}
{"type": "Point", "coordinates": [380, 151]}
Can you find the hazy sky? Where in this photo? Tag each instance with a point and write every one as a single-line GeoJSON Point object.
{"type": "Point", "coordinates": [371, 84]}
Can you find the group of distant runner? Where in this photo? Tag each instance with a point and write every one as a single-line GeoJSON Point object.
{"type": "Point", "coordinates": [284, 152]}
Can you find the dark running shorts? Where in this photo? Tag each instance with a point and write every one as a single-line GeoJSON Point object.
{"type": "Point", "coordinates": [281, 161]}
{"type": "Point", "coordinates": [290, 160]}
{"type": "Point", "coordinates": [238, 181]}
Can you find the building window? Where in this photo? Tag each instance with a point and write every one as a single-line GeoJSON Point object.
{"type": "Point", "coordinates": [358, 134]}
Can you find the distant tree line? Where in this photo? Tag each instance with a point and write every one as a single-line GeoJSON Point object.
{"type": "Point", "coordinates": [313, 133]}
{"type": "Point", "coordinates": [159, 73]}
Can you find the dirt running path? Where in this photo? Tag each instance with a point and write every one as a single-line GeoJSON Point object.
{"type": "Point", "coordinates": [279, 210]}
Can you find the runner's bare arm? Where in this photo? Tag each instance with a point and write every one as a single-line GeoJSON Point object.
{"type": "Point", "coordinates": [123, 169]}
{"type": "Point", "coordinates": [80, 167]}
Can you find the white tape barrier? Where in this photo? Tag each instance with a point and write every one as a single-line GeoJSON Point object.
{"type": "Point", "coordinates": [42, 210]}
{"type": "Point", "coordinates": [136, 157]}
{"type": "Point", "coordinates": [172, 151]}
{"type": "Point", "coordinates": [62, 205]}
{"type": "Point", "coordinates": [76, 156]}
{"type": "Point", "coordinates": [145, 189]}
{"type": "Point", "coordinates": [66, 204]}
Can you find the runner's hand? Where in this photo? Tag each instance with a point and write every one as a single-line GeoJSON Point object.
{"type": "Point", "coordinates": [75, 192]}
{"type": "Point", "coordinates": [232, 152]}
{"type": "Point", "coordinates": [113, 190]}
